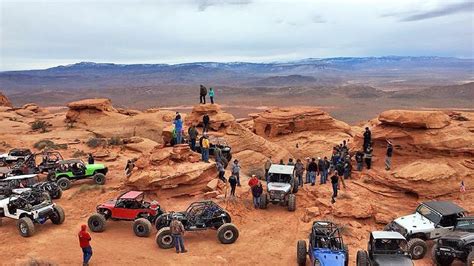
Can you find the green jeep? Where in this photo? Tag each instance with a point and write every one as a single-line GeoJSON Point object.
{"type": "Point", "coordinates": [71, 170]}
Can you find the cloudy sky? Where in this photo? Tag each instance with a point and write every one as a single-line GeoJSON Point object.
{"type": "Point", "coordinates": [45, 33]}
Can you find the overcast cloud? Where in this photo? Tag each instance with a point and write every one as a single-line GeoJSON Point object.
{"type": "Point", "coordinates": [39, 34]}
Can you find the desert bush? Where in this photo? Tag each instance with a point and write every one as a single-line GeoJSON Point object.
{"type": "Point", "coordinates": [40, 125]}
{"type": "Point", "coordinates": [95, 142]}
{"type": "Point", "coordinates": [48, 144]}
{"type": "Point", "coordinates": [115, 141]}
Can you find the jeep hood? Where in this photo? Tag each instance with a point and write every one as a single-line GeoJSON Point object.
{"type": "Point", "coordinates": [415, 223]}
{"type": "Point", "coordinates": [392, 260]}
{"type": "Point", "coordinates": [329, 257]}
{"type": "Point", "coordinates": [276, 186]}
{"type": "Point", "coordinates": [96, 166]}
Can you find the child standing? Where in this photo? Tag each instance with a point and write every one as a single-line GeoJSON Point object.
{"type": "Point", "coordinates": [211, 95]}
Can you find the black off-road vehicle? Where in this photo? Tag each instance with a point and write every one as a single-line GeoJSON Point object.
{"type": "Point", "coordinates": [458, 244]}
{"type": "Point", "coordinates": [18, 184]}
{"type": "Point", "coordinates": [201, 215]}
{"type": "Point", "coordinates": [385, 248]}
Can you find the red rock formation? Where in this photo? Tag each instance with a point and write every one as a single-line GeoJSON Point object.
{"type": "Point", "coordinates": [415, 119]}
{"type": "Point", "coordinates": [84, 109]}
{"type": "Point", "coordinates": [218, 118]}
{"type": "Point", "coordinates": [4, 101]}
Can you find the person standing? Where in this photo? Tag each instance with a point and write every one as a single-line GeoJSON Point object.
{"type": "Point", "coordinates": [236, 171]}
{"type": "Point", "coordinates": [308, 180]}
{"type": "Point", "coordinates": [84, 243]}
{"type": "Point", "coordinates": [322, 171]}
{"type": "Point", "coordinates": [347, 167]}
{"type": "Point", "coordinates": [221, 170]}
{"type": "Point", "coordinates": [340, 171]}
{"type": "Point", "coordinates": [335, 185]}
{"type": "Point", "coordinates": [268, 164]}
{"type": "Point", "coordinates": [257, 191]}
{"type": "Point", "coordinates": [367, 138]}
{"type": "Point", "coordinates": [90, 159]}
{"type": "Point", "coordinates": [129, 167]}
{"type": "Point", "coordinates": [193, 133]}
{"type": "Point", "coordinates": [205, 122]}
{"type": "Point", "coordinates": [211, 95]}
{"type": "Point", "coordinates": [299, 170]}
{"type": "Point", "coordinates": [388, 157]}
{"type": "Point", "coordinates": [177, 231]}
{"type": "Point", "coordinates": [233, 184]}
{"type": "Point", "coordinates": [359, 160]}
{"type": "Point", "coordinates": [313, 169]}
{"type": "Point", "coordinates": [205, 149]}
{"type": "Point", "coordinates": [202, 94]}
{"type": "Point", "coordinates": [368, 156]}
{"type": "Point", "coordinates": [178, 126]}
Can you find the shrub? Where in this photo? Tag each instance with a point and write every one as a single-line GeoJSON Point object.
{"type": "Point", "coordinates": [48, 144]}
{"type": "Point", "coordinates": [40, 125]}
{"type": "Point", "coordinates": [94, 142]}
{"type": "Point", "coordinates": [115, 141]}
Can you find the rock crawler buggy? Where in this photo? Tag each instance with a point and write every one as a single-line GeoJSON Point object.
{"type": "Point", "coordinates": [130, 206]}
{"type": "Point", "coordinates": [385, 248]}
{"type": "Point", "coordinates": [201, 215]}
{"type": "Point", "coordinates": [18, 184]}
{"type": "Point", "coordinates": [326, 247]}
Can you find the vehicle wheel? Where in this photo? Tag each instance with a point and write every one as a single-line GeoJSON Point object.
{"type": "Point", "coordinates": [440, 261]}
{"type": "Point", "coordinates": [417, 248]}
{"type": "Point", "coordinates": [97, 222]}
{"type": "Point", "coordinates": [346, 251]}
{"type": "Point", "coordinates": [227, 233]}
{"type": "Point", "coordinates": [470, 258]}
{"type": "Point", "coordinates": [57, 194]}
{"type": "Point", "coordinates": [142, 227]}
{"type": "Point", "coordinates": [64, 183]}
{"type": "Point", "coordinates": [292, 202]}
{"type": "Point", "coordinates": [99, 179]}
{"type": "Point", "coordinates": [263, 201]}
{"type": "Point", "coordinates": [164, 239]}
{"type": "Point", "coordinates": [51, 177]}
{"type": "Point", "coordinates": [362, 258]}
{"type": "Point", "coordinates": [59, 216]}
{"type": "Point", "coordinates": [26, 227]}
{"type": "Point", "coordinates": [301, 252]}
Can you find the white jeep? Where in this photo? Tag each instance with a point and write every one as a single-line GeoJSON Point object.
{"type": "Point", "coordinates": [13, 156]}
{"type": "Point", "coordinates": [431, 220]}
{"type": "Point", "coordinates": [30, 208]}
{"type": "Point", "coordinates": [281, 187]}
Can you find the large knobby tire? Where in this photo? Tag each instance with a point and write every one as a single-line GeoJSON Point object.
{"type": "Point", "coordinates": [164, 239]}
{"type": "Point", "coordinates": [97, 222]}
{"type": "Point", "coordinates": [58, 217]}
{"type": "Point", "coordinates": [227, 233]}
{"type": "Point", "coordinates": [57, 194]}
{"type": "Point", "coordinates": [417, 248]}
{"type": "Point", "coordinates": [362, 258]}
{"type": "Point", "coordinates": [440, 261]}
{"type": "Point", "coordinates": [99, 179]}
{"type": "Point", "coordinates": [346, 252]}
{"type": "Point", "coordinates": [26, 227]}
{"type": "Point", "coordinates": [263, 201]}
{"type": "Point", "coordinates": [470, 258]}
{"type": "Point", "coordinates": [301, 252]}
{"type": "Point", "coordinates": [292, 202]}
{"type": "Point", "coordinates": [142, 227]}
{"type": "Point", "coordinates": [64, 183]}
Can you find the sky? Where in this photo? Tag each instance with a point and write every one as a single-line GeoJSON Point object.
{"type": "Point", "coordinates": [44, 33]}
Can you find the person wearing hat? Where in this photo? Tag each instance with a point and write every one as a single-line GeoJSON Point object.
{"type": "Point", "coordinates": [84, 243]}
{"type": "Point", "coordinates": [236, 171]}
{"type": "Point", "coordinates": [177, 231]}
{"type": "Point", "coordinates": [388, 157]}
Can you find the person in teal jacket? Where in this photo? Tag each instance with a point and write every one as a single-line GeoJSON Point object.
{"type": "Point", "coordinates": [211, 95]}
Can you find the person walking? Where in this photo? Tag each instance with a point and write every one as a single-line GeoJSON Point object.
{"type": "Point", "coordinates": [192, 133]}
{"type": "Point", "coordinates": [178, 126]}
{"type": "Point", "coordinates": [177, 231]}
{"type": "Point", "coordinates": [257, 191]}
{"type": "Point", "coordinates": [367, 138]}
{"type": "Point", "coordinates": [368, 156]}
{"type": "Point", "coordinates": [90, 159]}
{"type": "Point", "coordinates": [388, 157]}
{"type": "Point", "coordinates": [211, 95]}
{"type": "Point", "coordinates": [335, 186]}
{"type": "Point", "coordinates": [205, 122]}
{"type": "Point", "coordinates": [267, 166]}
{"type": "Point", "coordinates": [221, 170]}
{"type": "Point", "coordinates": [84, 243]}
{"type": "Point", "coordinates": [205, 149]}
{"type": "Point", "coordinates": [313, 169]}
{"type": "Point", "coordinates": [359, 160]}
{"type": "Point", "coordinates": [233, 184]}
{"type": "Point", "coordinates": [202, 94]}
{"type": "Point", "coordinates": [236, 171]}
{"type": "Point", "coordinates": [299, 170]}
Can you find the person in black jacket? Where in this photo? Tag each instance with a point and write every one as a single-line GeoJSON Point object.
{"type": "Point", "coordinates": [202, 94]}
{"type": "Point", "coordinates": [257, 191]}
{"type": "Point", "coordinates": [313, 170]}
{"type": "Point", "coordinates": [233, 184]}
{"type": "Point", "coordinates": [205, 122]}
{"type": "Point", "coordinates": [90, 159]}
{"type": "Point", "coordinates": [335, 186]}
{"type": "Point", "coordinates": [388, 157]}
{"type": "Point", "coordinates": [360, 160]}
{"type": "Point", "coordinates": [367, 138]}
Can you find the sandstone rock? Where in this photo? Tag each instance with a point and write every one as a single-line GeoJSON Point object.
{"type": "Point", "coordinates": [352, 209]}
{"type": "Point", "coordinates": [355, 224]}
{"type": "Point", "coordinates": [415, 119]}
{"type": "Point", "coordinates": [211, 194]}
{"type": "Point", "coordinates": [282, 121]}
{"type": "Point", "coordinates": [24, 112]}
{"type": "Point", "coordinates": [212, 185]}
{"type": "Point", "coordinates": [4, 101]}
{"type": "Point", "coordinates": [218, 118]}
{"type": "Point", "coordinates": [383, 218]}
{"type": "Point", "coordinates": [310, 214]}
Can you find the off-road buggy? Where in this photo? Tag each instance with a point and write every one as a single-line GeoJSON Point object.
{"type": "Point", "coordinates": [458, 244]}
{"type": "Point", "coordinates": [130, 206]}
{"type": "Point", "coordinates": [326, 246]}
{"type": "Point", "coordinates": [72, 170]}
{"type": "Point", "coordinates": [201, 215]}
{"type": "Point", "coordinates": [281, 187]}
{"type": "Point", "coordinates": [30, 208]}
{"type": "Point", "coordinates": [431, 220]}
{"type": "Point", "coordinates": [49, 161]}
{"type": "Point", "coordinates": [18, 184]}
{"type": "Point", "coordinates": [385, 248]}
{"type": "Point", "coordinates": [13, 156]}
{"type": "Point", "coordinates": [218, 147]}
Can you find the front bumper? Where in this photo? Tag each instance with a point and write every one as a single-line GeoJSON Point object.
{"type": "Point", "coordinates": [445, 251]}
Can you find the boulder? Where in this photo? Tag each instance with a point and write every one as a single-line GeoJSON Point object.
{"type": "Point", "coordinates": [212, 185]}
{"type": "Point", "coordinates": [415, 119]}
{"type": "Point", "coordinates": [218, 118]}
{"type": "Point", "coordinates": [211, 194]}
{"type": "Point", "coordinates": [310, 214]}
{"type": "Point", "coordinates": [4, 101]}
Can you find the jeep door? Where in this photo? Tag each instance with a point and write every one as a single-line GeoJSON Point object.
{"type": "Point", "coordinates": [445, 225]}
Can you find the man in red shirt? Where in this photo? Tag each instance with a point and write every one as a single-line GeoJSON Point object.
{"type": "Point", "coordinates": [84, 239]}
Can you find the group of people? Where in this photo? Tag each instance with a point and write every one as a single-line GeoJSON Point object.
{"type": "Point", "coordinates": [203, 93]}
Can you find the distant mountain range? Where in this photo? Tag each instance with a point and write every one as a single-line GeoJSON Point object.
{"type": "Point", "coordinates": [388, 70]}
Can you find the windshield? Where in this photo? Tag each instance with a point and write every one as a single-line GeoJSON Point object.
{"type": "Point", "coordinates": [465, 225]}
{"type": "Point", "coordinates": [390, 246]}
{"type": "Point", "coordinates": [282, 178]}
{"type": "Point", "coordinates": [429, 214]}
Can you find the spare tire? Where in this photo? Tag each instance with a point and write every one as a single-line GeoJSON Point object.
{"type": "Point", "coordinates": [301, 252]}
{"type": "Point", "coordinates": [227, 233]}
{"type": "Point", "coordinates": [59, 216]}
{"type": "Point", "coordinates": [99, 179]}
{"type": "Point", "coordinates": [142, 227]}
{"type": "Point", "coordinates": [26, 227]}
{"type": "Point", "coordinates": [164, 239]}
{"type": "Point", "coordinates": [97, 222]}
